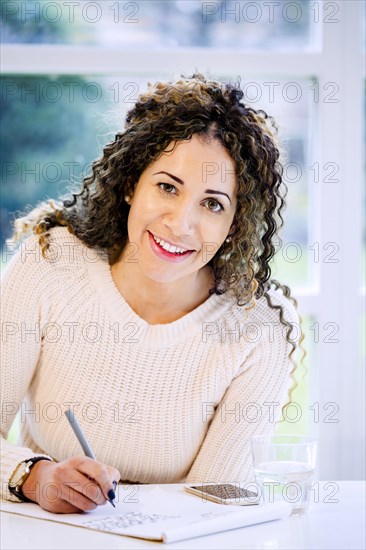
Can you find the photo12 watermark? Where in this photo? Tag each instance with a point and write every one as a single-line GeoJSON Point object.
{"type": "Point", "coordinates": [53, 412]}
{"type": "Point", "coordinates": [70, 12]}
{"type": "Point", "coordinates": [52, 492]}
{"type": "Point", "coordinates": [270, 411]}
{"type": "Point", "coordinates": [270, 12]}
{"type": "Point", "coordinates": [69, 91]}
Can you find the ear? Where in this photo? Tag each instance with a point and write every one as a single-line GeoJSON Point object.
{"type": "Point", "coordinates": [232, 230]}
{"type": "Point", "coordinates": [129, 190]}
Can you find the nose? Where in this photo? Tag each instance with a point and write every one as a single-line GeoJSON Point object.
{"type": "Point", "coordinates": [181, 219]}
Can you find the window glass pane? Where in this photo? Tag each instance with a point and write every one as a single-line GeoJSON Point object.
{"type": "Point", "coordinates": [363, 258]}
{"type": "Point", "coordinates": [53, 128]}
{"type": "Point", "coordinates": [231, 24]}
{"type": "Point", "coordinates": [362, 349]}
{"type": "Point", "coordinates": [363, 23]}
{"type": "Point", "coordinates": [48, 137]}
{"type": "Point", "coordinates": [14, 432]}
{"type": "Point", "coordinates": [290, 102]}
{"type": "Point", "coordinates": [299, 417]}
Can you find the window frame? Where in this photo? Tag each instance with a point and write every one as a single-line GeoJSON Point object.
{"type": "Point", "coordinates": [336, 211]}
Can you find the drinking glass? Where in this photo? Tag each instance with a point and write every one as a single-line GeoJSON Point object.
{"type": "Point", "coordinates": [284, 467]}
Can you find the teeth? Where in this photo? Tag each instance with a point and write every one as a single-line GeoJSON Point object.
{"type": "Point", "coordinates": [169, 247]}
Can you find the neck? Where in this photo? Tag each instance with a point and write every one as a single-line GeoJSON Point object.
{"type": "Point", "coordinates": [161, 303]}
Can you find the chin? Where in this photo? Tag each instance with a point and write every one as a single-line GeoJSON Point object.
{"type": "Point", "coordinates": [161, 277]}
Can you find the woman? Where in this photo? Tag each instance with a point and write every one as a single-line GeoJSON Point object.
{"type": "Point", "coordinates": [145, 304]}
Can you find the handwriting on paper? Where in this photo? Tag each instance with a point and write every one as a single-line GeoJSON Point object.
{"type": "Point", "coordinates": [114, 523]}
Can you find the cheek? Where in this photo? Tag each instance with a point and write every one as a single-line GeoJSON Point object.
{"type": "Point", "coordinates": [216, 231]}
{"type": "Point", "coordinates": [146, 205]}
{"type": "Point", "coordinates": [212, 239]}
{"type": "Point", "coordinates": [209, 250]}
{"type": "Point", "coordinates": [133, 225]}
{"type": "Point", "coordinates": [141, 214]}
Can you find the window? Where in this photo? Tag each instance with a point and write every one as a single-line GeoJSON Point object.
{"type": "Point", "coordinates": [67, 79]}
{"type": "Point", "coordinates": [166, 24]}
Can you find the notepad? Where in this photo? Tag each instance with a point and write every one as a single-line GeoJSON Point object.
{"type": "Point", "coordinates": [160, 515]}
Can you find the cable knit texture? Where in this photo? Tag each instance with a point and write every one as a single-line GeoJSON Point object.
{"type": "Point", "coordinates": [163, 403]}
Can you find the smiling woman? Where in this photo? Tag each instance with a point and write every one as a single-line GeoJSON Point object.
{"type": "Point", "coordinates": [180, 211]}
{"type": "Point", "coordinates": [178, 225]}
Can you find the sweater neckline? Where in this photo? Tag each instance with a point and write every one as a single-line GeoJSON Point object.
{"type": "Point", "coordinates": [132, 328]}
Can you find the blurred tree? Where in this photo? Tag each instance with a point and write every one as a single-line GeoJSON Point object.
{"type": "Point", "coordinates": [157, 23]}
{"type": "Point", "coordinates": [41, 152]}
{"type": "Point", "coordinates": [24, 22]}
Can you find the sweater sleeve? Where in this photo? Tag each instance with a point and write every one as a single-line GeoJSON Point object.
{"type": "Point", "coordinates": [251, 406]}
{"type": "Point", "coordinates": [21, 309]}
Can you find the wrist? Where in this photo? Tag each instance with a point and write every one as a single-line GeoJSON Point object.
{"type": "Point", "coordinates": [31, 487]}
{"type": "Point", "coordinates": [21, 474]}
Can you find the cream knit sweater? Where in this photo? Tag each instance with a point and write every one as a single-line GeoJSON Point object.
{"type": "Point", "coordinates": [163, 403]}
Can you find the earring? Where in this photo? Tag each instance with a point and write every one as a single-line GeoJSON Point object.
{"type": "Point", "coordinates": [228, 239]}
{"type": "Point", "coordinates": [127, 199]}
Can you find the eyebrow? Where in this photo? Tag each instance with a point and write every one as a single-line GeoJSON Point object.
{"type": "Point", "coordinates": [178, 180]}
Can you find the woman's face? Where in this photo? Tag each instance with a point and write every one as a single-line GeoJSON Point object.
{"type": "Point", "coordinates": [186, 200]}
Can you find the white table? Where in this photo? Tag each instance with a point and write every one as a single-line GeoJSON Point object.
{"type": "Point", "coordinates": [327, 525]}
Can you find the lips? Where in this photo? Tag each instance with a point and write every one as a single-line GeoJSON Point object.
{"type": "Point", "coordinates": [179, 248]}
{"type": "Point", "coordinates": [165, 254]}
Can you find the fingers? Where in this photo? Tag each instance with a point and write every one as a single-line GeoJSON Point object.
{"type": "Point", "coordinates": [63, 494]}
{"type": "Point", "coordinates": [77, 484]}
{"type": "Point", "coordinates": [76, 506]}
{"type": "Point", "coordinates": [74, 482]}
{"type": "Point", "coordinates": [64, 507]}
{"type": "Point", "coordinates": [100, 473]}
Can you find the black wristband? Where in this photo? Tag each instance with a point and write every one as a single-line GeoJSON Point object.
{"type": "Point", "coordinates": [19, 493]}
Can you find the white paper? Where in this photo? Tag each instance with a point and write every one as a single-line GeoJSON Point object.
{"type": "Point", "coordinates": [160, 515]}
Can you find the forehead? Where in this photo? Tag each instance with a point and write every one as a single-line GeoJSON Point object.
{"type": "Point", "coordinates": [204, 162]}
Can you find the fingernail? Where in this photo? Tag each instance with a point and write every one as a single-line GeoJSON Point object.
{"type": "Point", "coordinates": [111, 494]}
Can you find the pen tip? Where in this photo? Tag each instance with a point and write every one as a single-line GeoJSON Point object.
{"type": "Point", "coordinates": [111, 501]}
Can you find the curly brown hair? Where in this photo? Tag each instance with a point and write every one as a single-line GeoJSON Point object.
{"type": "Point", "coordinates": [171, 112]}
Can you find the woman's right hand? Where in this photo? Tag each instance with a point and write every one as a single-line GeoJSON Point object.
{"type": "Point", "coordinates": [73, 485]}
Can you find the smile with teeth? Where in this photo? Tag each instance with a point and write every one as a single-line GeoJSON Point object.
{"type": "Point", "coordinates": [169, 247]}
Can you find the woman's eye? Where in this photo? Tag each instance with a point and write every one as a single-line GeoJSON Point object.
{"type": "Point", "coordinates": [167, 187]}
{"type": "Point", "coordinates": [214, 206]}
{"type": "Point", "coordinates": [211, 204]}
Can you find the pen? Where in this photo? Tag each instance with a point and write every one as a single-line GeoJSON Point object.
{"type": "Point", "coordinates": [85, 445]}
